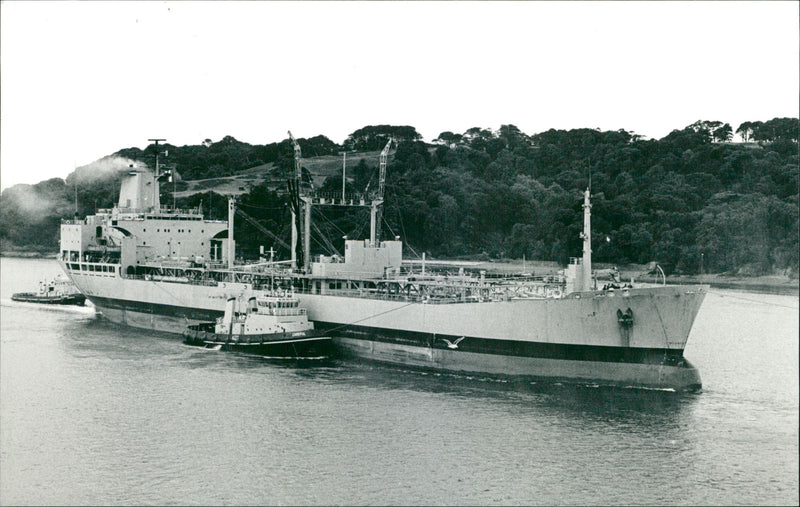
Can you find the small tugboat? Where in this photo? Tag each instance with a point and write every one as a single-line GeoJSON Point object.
{"type": "Point", "coordinates": [59, 291]}
{"type": "Point", "coordinates": [271, 324]}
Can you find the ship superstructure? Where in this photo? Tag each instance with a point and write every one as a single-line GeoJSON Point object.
{"type": "Point", "coordinates": [164, 269]}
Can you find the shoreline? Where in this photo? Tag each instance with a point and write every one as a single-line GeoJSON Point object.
{"type": "Point", "coordinates": [773, 284]}
{"type": "Point", "coordinates": [29, 255]}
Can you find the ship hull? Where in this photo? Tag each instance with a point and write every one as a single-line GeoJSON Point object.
{"type": "Point", "coordinates": [682, 376]}
{"type": "Point", "coordinates": [308, 345]}
{"type": "Point", "coordinates": [579, 338]}
{"type": "Point", "coordinates": [71, 299]}
{"type": "Point", "coordinates": [621, 366]}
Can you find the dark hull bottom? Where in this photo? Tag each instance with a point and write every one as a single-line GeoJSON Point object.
{"type": "Point", "coordinates": [653, 376]}
{"type": "Point", "coordinates": [76, 299]}
{"type": "Point", "coordinates": [276, 346]}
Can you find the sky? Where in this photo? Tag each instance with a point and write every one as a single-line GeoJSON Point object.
{"type": "Point", "coordinates": [81, 80]}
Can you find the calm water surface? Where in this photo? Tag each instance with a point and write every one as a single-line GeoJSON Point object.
{"type": "Point", "coordinates": [93, 413]}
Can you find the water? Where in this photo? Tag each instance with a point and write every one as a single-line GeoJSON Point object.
{"type": "Point", "coordinates": [93, 413]}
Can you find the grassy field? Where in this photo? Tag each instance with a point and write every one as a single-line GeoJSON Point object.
{"type": "Point", "coordinates": [240, 183]}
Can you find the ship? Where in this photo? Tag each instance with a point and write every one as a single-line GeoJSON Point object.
{"type": "Point", "coordinates": [163, 269]}
{"type": "Point", "coordinates": [59, 291]}
{"type": "Point", "coordinates": [270, 324]}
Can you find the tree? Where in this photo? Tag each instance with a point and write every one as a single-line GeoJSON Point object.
{"type": "Point", "coordinates": [374, 137]}
{"type": "Point", "coordinates": [448, 138]}
{"type": "Point", "coordinates": [504, 192]}
{"type": "Point", "coordinates": [747, 128]}
{"type": "Point", "coordinates": [778, 129]}
{"type": "Point", "coordinates": [512, 137]}
{"type": "Point", "coordinates": [723, 133]}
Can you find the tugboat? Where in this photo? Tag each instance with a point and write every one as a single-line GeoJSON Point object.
{"type": "Point", "coordinates": [271, 324]}
{"type": "Point", "coordinates": [59, 291]}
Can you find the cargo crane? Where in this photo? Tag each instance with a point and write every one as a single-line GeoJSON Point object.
{"type": "Point", "coordinates": [376, 211]}
{"type": "Point", "coordinates": [293, 183]}
{"type": "Point", "coordinates": [302, 199]}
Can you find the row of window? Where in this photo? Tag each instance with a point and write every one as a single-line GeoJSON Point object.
{"type": "Point", "coordinates": [99, 268]}
{"type": "Point", "coordinates": [279, 304]}
{"type": "Point", "coordinates": [189, 231]}
{"type": "Point", "coordinates": [145, 242]}
{"type": "Point", "coordinates": [151, 217]}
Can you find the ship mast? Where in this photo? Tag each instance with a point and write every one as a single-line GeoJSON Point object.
{"type": "Point", "coordinates": [344, 172]}
{"type": "Point", "coordinates": [586, 235]}
{"type": "Point", "coordinates": [231, 209]}
{"type": "Point", "coordinates": [155, 176]}
{"type": "Point", "coordinates": [294, 200]}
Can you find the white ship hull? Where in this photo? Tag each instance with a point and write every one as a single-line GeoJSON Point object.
{"type": "Point", "coordinates": [575, 338]}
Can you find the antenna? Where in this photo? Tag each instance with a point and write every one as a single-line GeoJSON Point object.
{"type": "Point", "coordinates": [344, 171]}
{"type": "Point", "coordinates": [75, 186]}
{"type": "Point", "coordinates": [155, 180]}
{"type": "Point", "coordinates": [156, 141]}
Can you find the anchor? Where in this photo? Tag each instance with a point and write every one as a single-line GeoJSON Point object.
{"type": "Point", "coordinates": [625, 320]}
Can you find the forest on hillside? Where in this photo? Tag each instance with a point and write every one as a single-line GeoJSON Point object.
{"type": "Point", "coordinates": [691, 201]}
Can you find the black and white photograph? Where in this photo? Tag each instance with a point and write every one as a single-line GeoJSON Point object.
{"type": "Point", "coordinates": [399, 253]}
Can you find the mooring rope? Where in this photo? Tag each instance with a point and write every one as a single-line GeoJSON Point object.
{"type": "Point", "coordinates": [372, 316]}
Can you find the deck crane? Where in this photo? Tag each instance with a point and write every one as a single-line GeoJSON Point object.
{"type": "Point", "coordinates": [293, 183]}
{"type": "Point", "coordinates": [300, 201]}
{"type": "Point", "coordinates": [377, 200]}
{"type": "Point", "coordinates": [298, 154]}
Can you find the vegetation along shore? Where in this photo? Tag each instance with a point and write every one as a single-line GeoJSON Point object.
{"type": "Point", "coordinates": [693, 202]}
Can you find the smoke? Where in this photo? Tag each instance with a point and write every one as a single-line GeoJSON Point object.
{"type": "Point", "coordinates": [106, 168]}
{"type": "Point", "coordinates": [98, 181]}
{"type": "Point", "coordinates": [34, 203]}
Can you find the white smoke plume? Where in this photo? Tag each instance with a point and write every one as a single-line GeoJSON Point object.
{"type": "Point", "coordinates": [32, 203]}
{"type": "Point", "coordinates": [56, 197]}
{"type": "Point", "coordinates": [104, 168]}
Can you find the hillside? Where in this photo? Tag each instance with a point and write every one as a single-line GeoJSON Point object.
{"type": "Point", "coordinates": [692, 201]}
{"type": "Point", "coordinates": [243, 181]}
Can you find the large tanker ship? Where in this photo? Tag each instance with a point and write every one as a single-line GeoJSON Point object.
{"type": "Point", "coordinates": [164, 269]}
